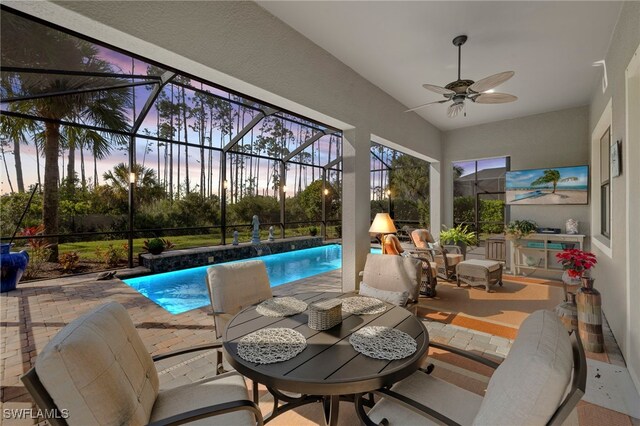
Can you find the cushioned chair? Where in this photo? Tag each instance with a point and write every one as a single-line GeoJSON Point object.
{"type": "Point", "coordinates": [429, 272]}
{"type": "Point", "coordinates": [540, 382]}
{"type": "Point", "coordinates": [445, 257]}
{"type": "Point", "coordinates": [392, 278]}
{"type": "Point", "coordinates": [97, 371]}
{"type": "Point", "coordinates": [233, 287]}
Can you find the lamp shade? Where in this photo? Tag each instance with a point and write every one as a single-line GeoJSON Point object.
{"type": "Point", "coordinates": [382, 224]}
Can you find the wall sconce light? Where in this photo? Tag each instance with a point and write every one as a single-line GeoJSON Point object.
{"type": "Point", "coordinates": [326, 191]}
{"type": "Point", "coordinates": [132, 177]}
{"type": "Point", "coordinates": [225, 184]}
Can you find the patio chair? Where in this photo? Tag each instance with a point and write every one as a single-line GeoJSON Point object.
{"type": "Point", "coordinates": [395, 279]}
{"type": "Point", "coordinates": [429, 272]}
{"type": "Point", "coordinates": [233, 287]}
{"type": "Point", "coordinates": [540, 382]}
{"type": "Point", "coordinates": [97, 371]}
{"type": "Point", "coordinates": [404, 233]}
{"type": "Point", "coordinates": [446, 257]}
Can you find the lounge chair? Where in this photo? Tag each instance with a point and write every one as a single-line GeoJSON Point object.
{"type": "Point", "coordinates": [97, 371]}
{"type": "Point", "coordinates": [446, 257]}
{"type": "Point", "coordinates": [429, 272]}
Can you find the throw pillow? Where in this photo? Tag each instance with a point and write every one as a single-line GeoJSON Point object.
{"type": "Point", "coordinates": [395, 297]}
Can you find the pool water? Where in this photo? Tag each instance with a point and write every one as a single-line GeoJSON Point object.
{"type": "Point", "coordinates": [183, 290]}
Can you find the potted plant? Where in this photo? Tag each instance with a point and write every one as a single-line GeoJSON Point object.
{"type": "Point", "coordinates": [517, 229]}
{"type": "Point", "coordinates": [576, 264]}
{"type": "Point", "coordinates": [459, 236]}
{"type": "Point", "coordinates": [313, 231]}
{"type": "Point", "coordinates": [154, 245]}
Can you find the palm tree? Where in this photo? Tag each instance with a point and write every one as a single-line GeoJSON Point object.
{"type": "Point", "coordinates": [148, 188]}
{"type": "Point", "coordinates": [553, 177]}
{"type": "Point", "coordinates": [17, 130]}
{"type": "Point", "coordinates": [49, 48]}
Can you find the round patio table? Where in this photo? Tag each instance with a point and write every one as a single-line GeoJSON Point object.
{"type": "Point", "coordinates": [329, 368]}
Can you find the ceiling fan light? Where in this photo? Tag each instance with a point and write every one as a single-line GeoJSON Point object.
{"type": "Point", "coordinates": [455, 109]}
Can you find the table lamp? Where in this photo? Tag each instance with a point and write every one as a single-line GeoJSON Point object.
{"type": "Point", "coordinates": [383, 224]}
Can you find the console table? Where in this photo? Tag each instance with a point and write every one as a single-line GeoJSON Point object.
{"type": "Point", "coordinates": [538, 251]}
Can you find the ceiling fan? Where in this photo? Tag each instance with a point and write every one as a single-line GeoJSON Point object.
{"type": "Point", "coordinates": [460, 90]}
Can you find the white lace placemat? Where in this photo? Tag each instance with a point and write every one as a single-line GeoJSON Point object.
{"type": "Point", "coordinates": [271, 345]}
{"type": "Point", "coordinates": [383, 342]}
{"type": "Point", "coordinates": [281, 307]}
{"type": "Point", "coordinates": [363, 305]}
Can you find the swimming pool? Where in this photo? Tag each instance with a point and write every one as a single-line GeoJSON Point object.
{"type": "Point", "coordinates": [181, 291]}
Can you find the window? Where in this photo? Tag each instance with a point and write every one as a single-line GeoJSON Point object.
{"type": "Point", "coordinates": [605, 185]}
{"type": "Point", "coordinates": [478, 195]}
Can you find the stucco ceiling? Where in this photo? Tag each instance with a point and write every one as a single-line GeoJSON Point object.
{"type": "Point", "coordinates": [398, 46]}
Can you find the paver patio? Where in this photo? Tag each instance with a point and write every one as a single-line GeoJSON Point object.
{"type": "Point", "coordinates": [36, 311]}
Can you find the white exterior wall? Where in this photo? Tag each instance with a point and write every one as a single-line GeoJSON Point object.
{"type": "Point", "coordinates": [618, 258]}
{"type": "Point", "coordinates": [552, 139]}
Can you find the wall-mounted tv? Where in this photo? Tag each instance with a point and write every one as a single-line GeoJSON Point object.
{"type": "Point", "coordinates": [552, 185]}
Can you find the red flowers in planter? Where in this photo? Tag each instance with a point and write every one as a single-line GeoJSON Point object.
{"type": "Point", "coordinates": [575, 261]}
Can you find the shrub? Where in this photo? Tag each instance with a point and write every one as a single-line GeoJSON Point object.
{"type": "Point", "coordinates": [69, 261]}
{"type": "Point", "coordinates": [37, 258]}
{"type": "Point", "coordinates": [313, 231]}
{"type": "Point", "coordinates": [112, 255]}
{"type": "Point", "coordinates": [458, 235]}
{"type": "Point", "coordinates": [154, 246]}
{"type": "Point", "coordinates": [168, 245]}
{"type": "Point", "coordinates": [11, 208]}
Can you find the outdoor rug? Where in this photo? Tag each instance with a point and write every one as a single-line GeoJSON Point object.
{"type": "Point", "coordinates": [499, 312]}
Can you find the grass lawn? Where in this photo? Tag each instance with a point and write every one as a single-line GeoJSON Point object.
{"type": "Point", "coordinates": [87, 249]}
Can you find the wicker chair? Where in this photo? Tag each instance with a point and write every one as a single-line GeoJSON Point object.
{"type": "Point", "coordinates": [97, 371]}
{"type": "Point", "coordinates": [429, 272]}
{"type": "Point", "coordinates": [445, 257]}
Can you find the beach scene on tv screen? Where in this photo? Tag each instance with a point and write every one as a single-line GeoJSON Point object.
{"type": "Point", "coordinates": [556, 185]}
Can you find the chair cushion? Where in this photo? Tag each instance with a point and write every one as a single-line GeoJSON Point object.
{"type": "Point", "coordinates": [216, 390]}
{"type": "Point", "coordinates": [452, 259]}
{"type": "Point", "coordinates": [490, 265]}
{"type": "Point", "coordinates": [392, 245]}
{"type": "Point", "coordinates": [234, 286]}
{"type": "Point", "coordinates": [456, 403]}
{"type": "Point", "coordinates": [393, 273]}
{"type": "Point", "coordinates": [421, 238]}
{"type": "Point", "coordinates": [398, 298]}
{"type": "Point", "coordinates": [98, 368]}
{"type": "Point", "coordinates": [529, 385]}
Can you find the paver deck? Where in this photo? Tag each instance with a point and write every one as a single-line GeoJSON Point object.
{"type": "Point", "coordinates": [31, 315]}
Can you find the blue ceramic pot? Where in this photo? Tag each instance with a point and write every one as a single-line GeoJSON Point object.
{"type": "Point", "coordinates": [12, 266]}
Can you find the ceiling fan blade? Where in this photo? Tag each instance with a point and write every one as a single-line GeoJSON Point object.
{"type": "Point", "coordinates": [439, 90]}
{"type": "Point", "coordinates": [427, 104]}
{"type": "Point", "coordinates": [494, 98]}
{"type": "Point", "coordinates": [454, 109]}
{"type": "Point", "coordinates": [490, 82]}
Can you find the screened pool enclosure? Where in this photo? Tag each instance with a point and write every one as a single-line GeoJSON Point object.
{"type": "Point", "coordinates": [118, 149]}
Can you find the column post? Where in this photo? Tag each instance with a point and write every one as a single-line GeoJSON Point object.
{"type": "Point", "coordinates": [356, 205]}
